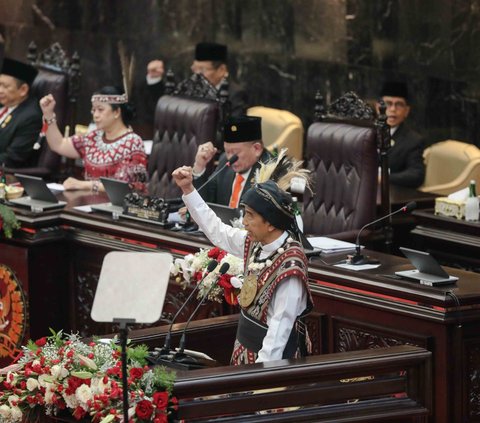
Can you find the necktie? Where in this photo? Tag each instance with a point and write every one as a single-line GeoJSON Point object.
{"type": "Point", "coordinates": [3, 113]}
{"type": "Point", "coordinates": [237, 189]}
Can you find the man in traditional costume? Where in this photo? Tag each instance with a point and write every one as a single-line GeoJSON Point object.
{"type": "Point", "coordinates": [275, 294]}
{"type": "Point", "coordinates": [20, 116]}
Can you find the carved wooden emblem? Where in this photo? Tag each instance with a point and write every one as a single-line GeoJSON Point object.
{"type": "Point", "coordinates": [12, 315]}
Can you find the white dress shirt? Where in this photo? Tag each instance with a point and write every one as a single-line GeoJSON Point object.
{"type": "Point", "coordinates": [289, 298]}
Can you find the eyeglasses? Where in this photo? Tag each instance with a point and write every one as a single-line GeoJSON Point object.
{"type": "Point", "coordinates": [395, 104]}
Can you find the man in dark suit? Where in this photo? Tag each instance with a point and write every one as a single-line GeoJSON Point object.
{"type": "Point", "coordinates": [211, 62]}
{"type": "Point", "coordinates": [242, 137]}
{"type": "Point", "coordinates": [405, 157]}
{"type": "Point", "coordinates": [20, 115]}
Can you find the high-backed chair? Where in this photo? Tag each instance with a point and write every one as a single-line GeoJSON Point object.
{"type": "Point", "coordinates": [181, 125]}
{"type": "Point", "coordinates": [342, 155]}
{"type": "Point", "coordinates": [449, 166]}
{"type": "Point", "coordinates": [280, 129]}
{"type": "Point", "coordinates": [58, 75]}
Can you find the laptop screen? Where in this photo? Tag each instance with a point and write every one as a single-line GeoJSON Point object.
{"type": "Point", "coordinates": [116, 190]}
{"type": "Point", "coordinates": [36, 188]}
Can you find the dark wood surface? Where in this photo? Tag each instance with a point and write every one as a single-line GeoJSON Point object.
{"type": "Point", "coordinates": [452, 241]}
{"type": "Point", "coordinates": [354, 310]}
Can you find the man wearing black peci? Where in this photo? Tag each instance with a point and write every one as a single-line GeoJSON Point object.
{"type": "Point", "coordinates": [242, 137]}
{"type": "Point", "coordinates": [405, 157]}
{"type": "Point", "coordinates": [20, 115]}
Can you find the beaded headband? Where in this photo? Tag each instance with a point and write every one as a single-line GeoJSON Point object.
{"type": "Point", "coordinates": [110, 98]}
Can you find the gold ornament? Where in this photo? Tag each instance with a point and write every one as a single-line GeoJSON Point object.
{"type": "Point", "coordinates": [248, 291]}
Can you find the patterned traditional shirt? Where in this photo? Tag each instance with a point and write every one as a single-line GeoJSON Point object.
{"type": "Point", "coordinates": [123, 158]}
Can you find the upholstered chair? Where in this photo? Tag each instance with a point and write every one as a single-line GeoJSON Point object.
{"type": "Point", "coordinates": [280, 129]}
{"type": "Point", "coordinates": [342, 154]}
{"type": "Point", "coordinates": [57, 75]}
{"type": "Point", "coordinates": [181, 125]}
{"type": "Point", "coordinates": [449, 166]}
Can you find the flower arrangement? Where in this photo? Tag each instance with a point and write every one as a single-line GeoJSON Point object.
{"type": "Point", "coordinates": [8, 221]}
{"type": "Point", "coordinates": [193, 268]}
{"type": "Point", "coordinates": [61, 374]}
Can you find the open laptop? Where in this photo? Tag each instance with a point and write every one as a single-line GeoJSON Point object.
{"type": "Point", "coordinates": [116, 191]}
{"type": "Point", "coordinates": [39, 195]}
{"type": "Point", "coordinates": [427, 270]}
{"type": "Point", "coordinates": [225, 213]}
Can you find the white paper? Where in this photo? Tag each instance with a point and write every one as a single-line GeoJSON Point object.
{"type": "Point", "coordinates": [358, 266]}
{"type": "Point", "coordinates": [330, 245]}
{"type": "Point", "coordinates": [148, 144]}
{"type": "Point", "coordinates": [461, 195]}
{"type": "Point", "coordinates": [86, 209]}
{"type": "Point", "coordinates": [52, 186]}
{"type": "Point", "coordinates": [175, 218]}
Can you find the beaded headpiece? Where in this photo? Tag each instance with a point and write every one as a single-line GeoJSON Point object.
{"type": "Point", "coordinates": [110, 98]}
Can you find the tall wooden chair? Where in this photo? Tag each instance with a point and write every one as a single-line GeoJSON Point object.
{"type": "Point", "coordinates": [341, 152]}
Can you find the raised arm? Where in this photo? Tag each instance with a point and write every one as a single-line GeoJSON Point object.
{"type": "Point", "coordinates": [55, 139]}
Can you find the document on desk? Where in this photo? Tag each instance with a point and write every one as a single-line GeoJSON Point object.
{"type": "Point", "coordinates": [330, 245]}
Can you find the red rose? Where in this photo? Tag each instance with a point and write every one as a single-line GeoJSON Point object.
{"type": "Point", "coordinates": [224, 281]}
{"type": "Point", "coordinates": [41, 342]}
{"type": "Point", "coordinates": [214, 252]}
{"type": "Point", "coordinates": [79, 413]}
{"type": "Point", "coordinates": [144, 409]}
{"type": "Point", "coordinates": [221, 255]}
{"type": "Point", "coordinates": [160, 399]}
{"type": "Point", "coordinates": [161, 418]}
{"type": "Point", "coordinates": [136, 373]}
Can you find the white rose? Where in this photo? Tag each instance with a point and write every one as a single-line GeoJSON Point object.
{"type": "Point", "coordinates": [59, 372]}
{"type": "Point", "coordinates": [5, 411]}
{"type": "Point", "coordinates": [236, 282]}
{"type": "Point", "coordinates": [97, 386]}
{"type": "Point", "coordinates": [16, 414]}
{"type": "Point", "coordinates": [49, 396]}
{"type": "Point", "coordinates": [13, 399]}
{"type": "Point", "coordinates": [70, 400]}
{"type": "Point", "coordinates": [83, 393]}
{"type": "Point", "coordinates": [32, 384]}
{"type": "Point", "coordinates": [41, 380]}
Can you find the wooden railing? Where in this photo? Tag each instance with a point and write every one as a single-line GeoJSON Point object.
{"type": "Point", "coordinates": [387, 384]}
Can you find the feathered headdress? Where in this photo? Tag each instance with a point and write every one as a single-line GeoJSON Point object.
{"type": "Point", "coordinates": [282, 170]}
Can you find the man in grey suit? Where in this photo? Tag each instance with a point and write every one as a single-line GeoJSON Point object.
{"type": "Point", "coordinates": [20, 115]}
{"type": "Point", "coordinates": [242, 137]}
{"type": "Point", "coordinates": [405, 157]}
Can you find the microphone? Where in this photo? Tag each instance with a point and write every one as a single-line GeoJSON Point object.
{"type": "Point", "coordinates": [359, 258]}
{"type": "Point", "coordinates": [191, 226]}
{"type": "Point", "coordinates": [229, 162]}
{"type": "Point", "coordinates": [180, 356]}
{"type": "Point", "coordinates": [166, 346]}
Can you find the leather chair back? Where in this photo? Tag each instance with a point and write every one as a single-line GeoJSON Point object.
{"type": "Point", "coordinates": [280, 129]}
{"type": "Point", "coordinates": [181, 124]}
{"type": "Point", "coordinates": [344, 164]}
{"type": "Point", "coordinates": [57, 75]}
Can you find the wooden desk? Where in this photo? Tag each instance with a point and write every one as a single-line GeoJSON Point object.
{"type": "Point", "coordinates": [452, 241]}
{"type": "Point", "coordinates": [58, 261]}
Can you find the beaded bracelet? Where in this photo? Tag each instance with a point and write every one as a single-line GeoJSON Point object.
{"type": "Point", "coordinates": [53, 119]}
{"type": "Point", "coordinates": [95, 186]}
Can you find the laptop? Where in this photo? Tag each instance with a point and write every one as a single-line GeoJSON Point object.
{"type": "Point", "coordinates": [225, 213]}
{"type": "Point", "coordinates": [427, 270]}
{"type": "Point", "coordinates": [116, 191]}
{"type": "Point", "coordinates": [39, 195]}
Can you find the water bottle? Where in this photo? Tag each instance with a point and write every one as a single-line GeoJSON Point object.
{"type": "Point", "coordinates": [297, 213]}
{"type": "Point", "coordinates": [471, 205]}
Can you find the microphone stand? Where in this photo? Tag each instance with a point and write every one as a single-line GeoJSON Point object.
{"type": "Point", "coordinates": [191, 226]}
{"type": "Point", "coordinates": [180, 356]}
{"type": "Point", "coordinates": [358, 258]}
{"type": "Point", "coordinates": [164, 353]}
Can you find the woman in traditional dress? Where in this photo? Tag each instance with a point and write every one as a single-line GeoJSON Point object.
{"type": "Point", "coordinates": [111, 150]}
